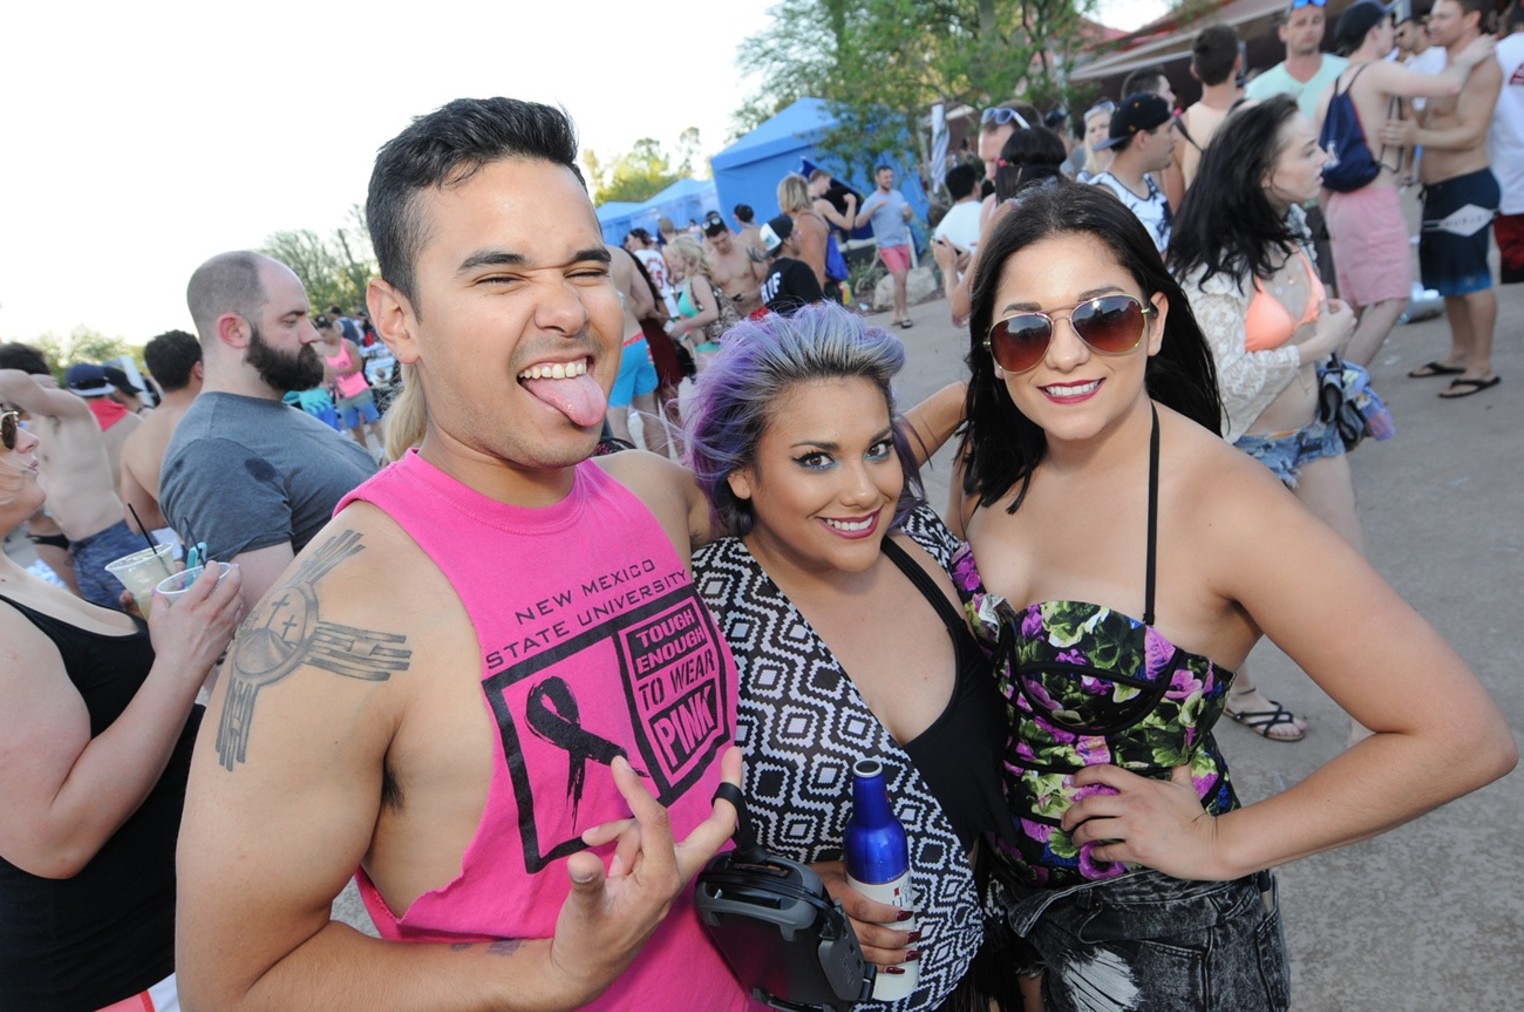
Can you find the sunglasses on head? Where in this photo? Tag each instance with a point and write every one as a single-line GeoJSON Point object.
{"type": "Point", "coordinates": [10, 421]}
{"type": "Point", "coordinates": [1106, 106]}
{"type": "Point", "coordinates": [1111, 325]}
{"type": "Point", "coordinates": [1297, 5]}
{"type": "Point", "coordinates": [1001, 115]}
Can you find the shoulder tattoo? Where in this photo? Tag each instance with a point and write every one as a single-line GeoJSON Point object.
{"type": "Point", "coordinates": [286, 632]}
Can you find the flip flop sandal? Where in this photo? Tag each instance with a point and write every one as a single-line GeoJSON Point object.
{"type": "Point", "coordinates": [1466, 387]}
{"type": "Point", "coordinates": [1261, 721]}
{"type": "Point", "coordinates": [1435, 369]}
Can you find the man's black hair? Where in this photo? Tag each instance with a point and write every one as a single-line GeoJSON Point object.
{"type": "Point", "coordinates": [446, 148]}
{"type": "Point", "coordinates": [1143, 79]}
{"type": "Point", "coordinates": [744, 214]}
{"type": "Point", "coordinates": [1214, 53]}
{"type": "Point", "coordinates": [15, 355]}
{"type": "Point", "coordinates": [961, 180]}
{"type": "Point", "coordinates": [170, 357]}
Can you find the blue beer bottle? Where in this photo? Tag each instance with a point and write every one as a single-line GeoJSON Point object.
{"type": "Point", "coordinates": [878, 862]}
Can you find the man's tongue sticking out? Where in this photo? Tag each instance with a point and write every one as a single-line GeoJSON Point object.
{"type": "Point", "coordinates": [574, 393]}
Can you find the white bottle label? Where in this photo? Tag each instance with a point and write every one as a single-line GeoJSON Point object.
{"type": "Point", "coordinates": [896, 893]}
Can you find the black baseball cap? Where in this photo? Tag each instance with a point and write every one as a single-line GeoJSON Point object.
{"type": "Point", "coordinates": [1356, 23]}
{"type": "Point", "coordinates": [1139, 111]}
{"type": "Point", "coordinates": [776, 232]}
{"type": "Point", "coordinates": [120, 380]}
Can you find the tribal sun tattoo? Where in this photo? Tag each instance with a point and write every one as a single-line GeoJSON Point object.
{"type": "Point", "coordinates": [285, 633]}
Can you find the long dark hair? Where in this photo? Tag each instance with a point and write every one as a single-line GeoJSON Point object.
{"type": "Point", "coordinates": [1000, 445]}
{"type": "Point", "coordinates": [1226, 222]}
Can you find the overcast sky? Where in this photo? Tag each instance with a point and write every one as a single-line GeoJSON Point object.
{"type": "Point", "coordinates": [140, 139]}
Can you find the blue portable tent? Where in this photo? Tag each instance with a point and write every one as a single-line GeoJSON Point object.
{"type": "Point", "coordinates": [748, 171]}
{"type": "Point", "coordinates": [684, 199]}
{"type": "Point", "coordinates": [616, 218]}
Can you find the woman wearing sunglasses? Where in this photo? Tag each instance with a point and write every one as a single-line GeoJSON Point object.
{"type": "Point", "coordinates": [1132, 559]}
{"type": "Point", "coordinates": [95, 736]}
{"type": "Point", "coordinates": [834, 594]}
{"type": "Point", "coordinates": [1254, 289]}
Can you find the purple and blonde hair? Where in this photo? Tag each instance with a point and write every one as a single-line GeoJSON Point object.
{"type": "Point", "coordinates": [759, 361]}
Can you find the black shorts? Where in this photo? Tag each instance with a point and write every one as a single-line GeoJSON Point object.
{"type": "Point", "coordinates": [1452, 245]}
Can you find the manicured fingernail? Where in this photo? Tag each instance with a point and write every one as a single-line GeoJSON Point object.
{"type": "Point", "coordinates": [912, 955]}
{"type": "Point", "coordinates": [904, 915]}
{"type": "Point", "coordinates": [915, 936]}
{"type": "Point", "coordinates": [894, 971]}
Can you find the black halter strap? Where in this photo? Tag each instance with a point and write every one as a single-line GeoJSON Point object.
{"type": "Point", "coordinates": [1153, 518]}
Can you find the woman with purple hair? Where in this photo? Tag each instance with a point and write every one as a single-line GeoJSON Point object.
{"type": "Point", "coordinates": [834, 591]}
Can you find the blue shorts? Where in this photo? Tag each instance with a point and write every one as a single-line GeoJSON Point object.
{"type": "Point", "coordinates": [1288, 453]}
{"type": "Point", "coordinates": [1147, 941]}
{"type": "Point", "coordinates": [90, 557]}
{"type": "Point", "coordinates": [358, 409]}
{"type": "Point", "coordinates": [637, 376]}
{"type": "Point", "coordinates": [1452, 241]}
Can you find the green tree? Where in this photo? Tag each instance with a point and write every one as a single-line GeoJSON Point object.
{"type": "Point", "coordinates": [82, 345]}
{"type": "Point", "coordinates": [335, 269]}
{"type": "Point", "coordinates": [880, 64]}
{"type": "Point", "coordinates": [640, 173]}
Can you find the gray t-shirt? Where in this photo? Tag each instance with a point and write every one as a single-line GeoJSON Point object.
{"type": "Point", "coordinates": [889, 228]}
{"type": "Point", "coordinates": [244, 473]}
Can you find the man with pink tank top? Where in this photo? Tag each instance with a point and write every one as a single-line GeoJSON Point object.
{"type": "Point", "coordinates": [487, 689]}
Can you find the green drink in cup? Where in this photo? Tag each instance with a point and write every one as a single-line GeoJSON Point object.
{"type": "Point", "coordinates": [177, 584]}
{"type": "Point", "coordinates": [141, 571]}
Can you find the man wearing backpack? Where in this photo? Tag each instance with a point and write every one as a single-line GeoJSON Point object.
{"type": "Point", "coordinates": [1460, 198]}
{"type": "Point", "coordinates": [1366, 223]}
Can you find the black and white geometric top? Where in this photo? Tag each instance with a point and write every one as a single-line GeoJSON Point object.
{"type": "Point", "coordinates": [802, 724]}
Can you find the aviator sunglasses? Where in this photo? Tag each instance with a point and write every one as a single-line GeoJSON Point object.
{"type": "Point", "coordinates": [10, 421]}
{"type": "Point", "coordinates": [1111, 325]}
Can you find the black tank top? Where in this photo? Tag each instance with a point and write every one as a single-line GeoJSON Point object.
{"type": "Point", "coordinates": [108, 932]}
{"type": "Point", "coordinates": [958, 755]}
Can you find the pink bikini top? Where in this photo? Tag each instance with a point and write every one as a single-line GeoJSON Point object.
{"type": "Point", "coordinates": [1268, 325]}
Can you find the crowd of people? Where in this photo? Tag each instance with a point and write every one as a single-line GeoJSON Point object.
{"type": "Point", "coordinates": [496, 674]}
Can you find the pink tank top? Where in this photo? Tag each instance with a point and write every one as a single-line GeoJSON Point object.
{"type": "Point", "coordinates": [594, 644]}
{"type": "Point", "coordinates": [352, 385]}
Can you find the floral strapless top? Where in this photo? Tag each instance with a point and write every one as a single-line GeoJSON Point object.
{"type": "Point", "coordinates": [1084, 686]}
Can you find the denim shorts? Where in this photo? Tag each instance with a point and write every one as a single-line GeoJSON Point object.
{"type": "Point", "coordinates": [1287, 453]}
{"type": "Point", "coordinates": [1147, 941]}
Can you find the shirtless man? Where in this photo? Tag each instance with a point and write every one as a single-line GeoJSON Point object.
{"type": "Point", "coordinates": [637, 381]}
{"type": "Point", "coordinates": [503, 605]}
{"type": "Point", "coordinates": [737, 275]}
{"type": "Point", "coordinates": [1461, 196]}
{"type": "Point", "coordinates": [174, 359]}
{"type": "Point", "coordinates": [1368, 227]}
{"type": "Point", "coordinates": [76, 471]}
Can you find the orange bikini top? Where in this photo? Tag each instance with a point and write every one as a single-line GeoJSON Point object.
{"type": "Point", "coordinates": [1268, 325]}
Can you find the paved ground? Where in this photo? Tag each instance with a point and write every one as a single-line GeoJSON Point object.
{"type": "Point", "coordinates": [1432, 914]}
